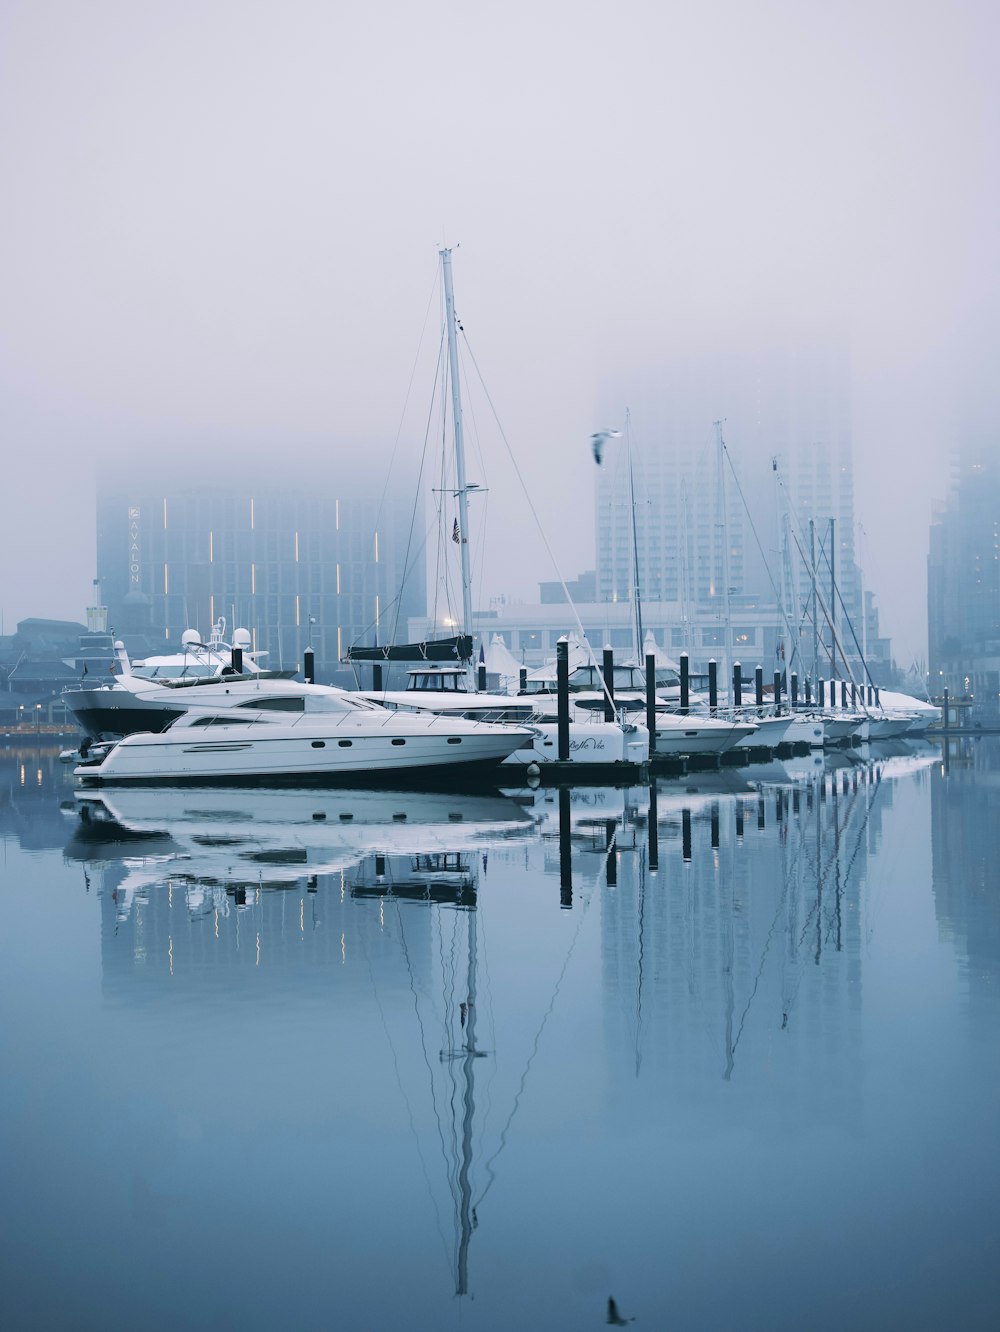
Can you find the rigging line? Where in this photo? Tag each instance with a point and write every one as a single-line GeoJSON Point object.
{"type": "Point", "coordinates": [827, 614]}
{"type": "Point", "coordinates": [423, 1045]}
{"type": "Point", "coordinates": [406, 398]}
{"type": "Point", "coordinates": [821, 603]}
{"type": "Point", "coordinates": [406, 1102]}
{"type": "Point", "coordinates": [416, 494]}
{"type": "Point", "coordinates": [817, 906]}
{"type": "Point", "coordinates": [407, 566]}
{"type": "Point", "coordinates": [484, 488]}
{"type": "Point", "coordinates": [753, 528]}
{"type": "Point", "coordinates": [534, 513]}
{"type": "Point", "coordinates": [857, 841]}
{"type": "Point", "coordinates": [534, 1051]}
{"type": "Point", "coordinates": [779, 910]}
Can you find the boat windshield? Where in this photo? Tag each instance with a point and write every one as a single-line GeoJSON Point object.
{"type": "Point", "coordinates": [173, 671]}
{"type": "Point", "coordinates": [437, 681]}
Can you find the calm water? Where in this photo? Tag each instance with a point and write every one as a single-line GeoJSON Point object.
{"type": "Point", "coordinates": [728, 1054]}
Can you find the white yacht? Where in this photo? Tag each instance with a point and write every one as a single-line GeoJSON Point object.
{"type": "Point", "coordinates": [337, 735]}
{"type": "Point", "coordinates": [148, 695]}
{"type": "Point", "coordinates": [443, 691]}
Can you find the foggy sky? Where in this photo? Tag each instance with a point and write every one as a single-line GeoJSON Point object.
{"type": "Point", "coordinates": [220, 223]}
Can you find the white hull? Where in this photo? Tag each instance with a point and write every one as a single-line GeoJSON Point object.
{"type": "Point", "coordinates": [309, 748]}
{"type": "Point", "coordinates": [590, 743]}
{"type": "Point", "coordinates": [678, 736]}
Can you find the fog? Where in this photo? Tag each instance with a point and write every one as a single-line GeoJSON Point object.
{"type": "Point", "coordinates": [221, 220]}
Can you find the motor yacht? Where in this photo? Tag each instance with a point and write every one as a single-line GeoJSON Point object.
{"type": "Point", "coordinates": [337, 735]}
{"type": "Point", "coordinates": [148, 695]}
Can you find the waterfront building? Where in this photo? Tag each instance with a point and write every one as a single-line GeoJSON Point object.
{"type": "Point", "coordinates": [963, 584]}
{"type": "Point", "coordinates": [690, 521]}
{"type": "Point", "coordinates": [318, 563]}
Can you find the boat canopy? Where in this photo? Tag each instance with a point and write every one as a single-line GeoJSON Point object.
{"type": "Point", "coordinates": [436, 649]}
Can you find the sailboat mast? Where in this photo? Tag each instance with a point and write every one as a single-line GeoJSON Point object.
{"type": "Point", "coordinates": [637, 599]}
{"type": "Point", "coordinates": [462, 493]}
{"type": "Point", "coordinates": [724, 532]}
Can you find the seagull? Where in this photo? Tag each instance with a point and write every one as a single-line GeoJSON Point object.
{"type": "Point", "coordinates": [597, 442]}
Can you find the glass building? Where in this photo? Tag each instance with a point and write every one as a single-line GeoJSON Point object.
{"type": "Point", "coordinates": [963, 584]}
{"type": "Point", "coordinates": [294, 565]}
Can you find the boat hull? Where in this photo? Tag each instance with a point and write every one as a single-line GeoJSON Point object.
{"type": "Point", "coordinates": [233, 754]}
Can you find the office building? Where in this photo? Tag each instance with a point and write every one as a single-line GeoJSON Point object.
{"type": "Point", "coordinates": [293, 564]}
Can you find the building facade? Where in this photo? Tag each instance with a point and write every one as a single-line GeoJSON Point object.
{"type": "Point", "coordinates": [296, 566]}
{"type": "Point", "coordinates": [963, 584]}
{"type": "Point", "coordinates": [754, 508]}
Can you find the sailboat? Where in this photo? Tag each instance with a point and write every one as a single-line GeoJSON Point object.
{"type": "Point", "coordinates": [444, 689]}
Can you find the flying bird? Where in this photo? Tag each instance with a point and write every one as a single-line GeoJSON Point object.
{"type": "Point", "coordinates": [598, 441]}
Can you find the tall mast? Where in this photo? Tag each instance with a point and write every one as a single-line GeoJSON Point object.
{"type": "Point", "coordinates": [637, 598]}
{"type": "Point", "coordinates": [462, 493]}
{"type": "Point", "coordinates": [724, 532]}
{"type": "Point", "coordinates": [833, 600]}
{"type": "Point", "coordinates": [812, 564]}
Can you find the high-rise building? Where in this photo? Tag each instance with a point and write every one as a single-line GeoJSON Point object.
{"type": "Point", "coordinates": [734, 474]}
{"type": "Point", "coordinates": [963, 583]}
{"type": "Point", "coordinates": [293, 565]}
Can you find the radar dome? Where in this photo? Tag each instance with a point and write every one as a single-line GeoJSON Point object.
{"type": "Point", "coordinates": [190, 638]}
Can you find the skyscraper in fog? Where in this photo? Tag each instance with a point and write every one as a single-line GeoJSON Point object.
{"type": "Point", "coordinates": [963, 583]}
{"type": "Point", "coordinates": [710, 515]}
{"type": "Point", "coordinates": [290, 564]}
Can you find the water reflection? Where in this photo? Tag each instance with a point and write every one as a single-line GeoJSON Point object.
{"type": "Point", "coordinates": [499, 994]}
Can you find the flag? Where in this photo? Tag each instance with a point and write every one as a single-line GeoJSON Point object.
{"type": "Point", "coordinates": [456, 535]}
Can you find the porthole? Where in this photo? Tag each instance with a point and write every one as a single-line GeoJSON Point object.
{"type": "Point", "coordinates": [454, 739]}
{"type": "Point", "coordinates": [345, 744]}
{"type": "Point", "coordinates": [397, 741]}
{"type": "Point", "coordinates": [319, 744]}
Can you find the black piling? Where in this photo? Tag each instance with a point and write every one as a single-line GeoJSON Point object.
{"type": "Point", "coordinates": [777, 691]}
{"type": "Point", "coordinates": [481, 677]}
{"type": "Point", "coordinates": [713, 685]}
{"type": "Point", "coordinates": [821, 695]}
{"type": "Point", "coordinates": [758, 679]}
{"type": "Point", "coordinates": [793, 682]}
{"type": "Point", "coordinates": [651, 701]}
{"type": "Point", "coordinates": [609, 683]}
{"type": "Point", "coordinates": [522, 680]}
{"type": "Point", "coordinates": [685, 683]}
{"type": "Point", "coordinates": [808, 688]}
{"type": "Point", "coordinates": [737, 685]}
{"type": "Point", "coordinates": [562, 698]}
{"type": "Point", "coordinates": [843, 694]}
